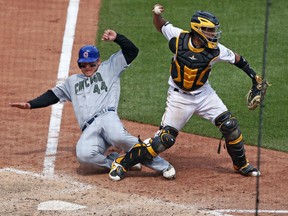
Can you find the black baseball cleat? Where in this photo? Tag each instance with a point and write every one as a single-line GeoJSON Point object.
{"type": "Point", "coordinates": [247, 170]}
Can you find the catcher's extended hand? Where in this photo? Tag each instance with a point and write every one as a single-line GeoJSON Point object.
{"type": "Point", "coordinates": [256, 93]}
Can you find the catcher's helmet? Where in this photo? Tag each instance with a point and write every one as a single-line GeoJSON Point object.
{"type": "Point", "coordinates": [88, 53]}
{"type": "Point", "coordinates": [206, 27]}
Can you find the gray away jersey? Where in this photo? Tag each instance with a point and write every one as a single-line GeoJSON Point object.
{"type": "Point", "coordinates": [89, 95]}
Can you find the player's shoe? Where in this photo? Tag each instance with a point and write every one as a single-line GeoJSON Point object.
{"type": "Point", "coordinates": [169, 173]}
{"type": "Point", "coordinates": [117, 171]}
{"type": "Point", "coordinates": [247, 170]}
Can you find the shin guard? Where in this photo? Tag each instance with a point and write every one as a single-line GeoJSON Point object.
{"type": "Point", "coordinates": [137, 154]}
{"type": "Point", "coordinates": [237, 153]}
{"type": "Point", "coordinates": [228, 125]}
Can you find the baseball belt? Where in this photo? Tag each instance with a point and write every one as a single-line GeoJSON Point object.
{"type": "Point", "coordinates": [188, 93]}
{"type": "Point", "coordinates": [89, 122]}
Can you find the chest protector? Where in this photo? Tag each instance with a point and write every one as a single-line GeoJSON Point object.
{"type": "Point", "coordinates": [191, 67]}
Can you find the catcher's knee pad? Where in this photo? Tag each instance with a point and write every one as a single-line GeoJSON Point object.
{"type": "Point", "coordinates": [164, 140]}
{"type": "Point", "coordinates": [228, 125]}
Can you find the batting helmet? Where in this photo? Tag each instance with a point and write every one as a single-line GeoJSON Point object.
{"type": "Point", "coordinates": [206, 27]}
{"type": "Point", "coordinates": [88, 53]}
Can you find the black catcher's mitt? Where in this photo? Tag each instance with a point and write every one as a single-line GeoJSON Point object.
{"type": "Point", "coordinates": [256, 93]}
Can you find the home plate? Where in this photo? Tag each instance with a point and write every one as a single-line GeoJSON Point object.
{"type": "Point", "coordinates": [58, 205]}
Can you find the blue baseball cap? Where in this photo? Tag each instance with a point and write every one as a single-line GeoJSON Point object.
{"type": "Point", "coordinates": [88, 53]}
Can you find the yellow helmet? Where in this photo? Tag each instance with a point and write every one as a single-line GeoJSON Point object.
{"type": "Point", "coordinates": [206, 27]}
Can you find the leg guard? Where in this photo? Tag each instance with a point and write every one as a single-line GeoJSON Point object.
{"type": "Point", "coordinates": [229, 128]}
{"type": "Point", "coordinates": [164, 140]}
{"type": "Point", "coordinates": [143, 151]}
{"type": "Point", "coordinates": [138, 153]}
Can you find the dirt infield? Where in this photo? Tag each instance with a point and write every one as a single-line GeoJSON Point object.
{"type": "Point", "coordinates": [31, 38]}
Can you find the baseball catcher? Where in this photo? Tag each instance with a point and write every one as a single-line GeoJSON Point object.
{"type": "Point", "coordinates": [194, 54]}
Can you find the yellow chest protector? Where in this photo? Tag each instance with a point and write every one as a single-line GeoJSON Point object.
{"type": "Point", "coordinates": [191, 67]}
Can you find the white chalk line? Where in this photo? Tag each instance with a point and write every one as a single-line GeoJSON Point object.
{"type": "Point", "coordinates": [80, 186]}
{"type": "Point", "coordinates": [249, 211]}
{"type": "Point", "coordinates": [63, 71]}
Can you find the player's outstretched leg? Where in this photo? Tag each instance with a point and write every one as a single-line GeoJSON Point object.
{"type": "Point", "coordinates": [228, 125]}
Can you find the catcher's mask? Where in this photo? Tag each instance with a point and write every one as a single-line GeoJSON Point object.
{"type": "Point", "coordinates": [206, 27]}
{"type": "Point", "coordinates": [88, 53]}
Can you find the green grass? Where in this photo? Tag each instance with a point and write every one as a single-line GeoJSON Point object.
{"type": "Point", "coordinates": [144, 84]}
